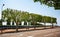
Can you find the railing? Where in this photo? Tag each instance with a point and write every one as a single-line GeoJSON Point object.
{"type": "Point", "coordinates": [14, 27]}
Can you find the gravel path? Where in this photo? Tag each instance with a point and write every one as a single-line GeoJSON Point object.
{"type": "Point", "coordinates": [55, 32]}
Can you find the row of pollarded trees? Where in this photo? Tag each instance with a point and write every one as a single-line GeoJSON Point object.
{"type": "Point", "coordinates": [18, 16]}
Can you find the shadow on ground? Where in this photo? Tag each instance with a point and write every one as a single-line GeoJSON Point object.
{"type": "Point", "coordinates": [27, 30]}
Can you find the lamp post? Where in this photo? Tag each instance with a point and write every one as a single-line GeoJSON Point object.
{"type": "Point", "coordinates": [1, 11]}
{"type": "Point", "coordinates": [1, 19]}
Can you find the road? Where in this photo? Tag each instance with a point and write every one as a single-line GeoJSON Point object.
{"type": "Point", "coordinates": [55, 32]}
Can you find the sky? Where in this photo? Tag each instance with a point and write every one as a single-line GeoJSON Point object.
{"type": "Point", "coordinates": [30, 6]}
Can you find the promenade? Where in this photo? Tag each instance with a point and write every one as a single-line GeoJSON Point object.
{"type": "Point", "coordinates": [55, 32]}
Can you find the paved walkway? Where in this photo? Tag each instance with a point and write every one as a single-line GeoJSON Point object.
{"type": "Point", "coordinates": [55, 32]}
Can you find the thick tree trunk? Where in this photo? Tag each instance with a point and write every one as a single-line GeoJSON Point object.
{"type": "Point", "coordinates": [16, 26]}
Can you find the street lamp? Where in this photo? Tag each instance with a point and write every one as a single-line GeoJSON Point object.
{"type": "Point", "coordinates": [2, 10]}
{"type": "Point", "coordinates": [1, 17]}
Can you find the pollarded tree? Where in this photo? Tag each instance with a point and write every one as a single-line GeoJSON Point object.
{"type": "Point", "coordinates": [44, 19]}
{"type": "Point", "coordinates": [25, 16]}
{"type": "Point", "coordinates": [6, 15]}
{"type": "Point", "coordinates": [13, 15]}
{"type": "Point", "coordinates": [16, 17]}
{"type": "Point", "coordinates": [53, 20]}
{"type": "Point", "coordinates": [48, 19]}
{"type": "Point", "coordinates": [34, 18]}
{"type": "Point", "coordinates": [38, 18]}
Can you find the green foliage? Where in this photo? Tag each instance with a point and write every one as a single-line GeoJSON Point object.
{"type": "Point", "coordinates": [54, 20]}
{"type": "Point", "coordinates": [18, 16]}
{"type": "Point", "coordinates": [50, 3]}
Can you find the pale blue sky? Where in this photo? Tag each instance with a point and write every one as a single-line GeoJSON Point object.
{"type": "Point", "coordinates": [30, 6]}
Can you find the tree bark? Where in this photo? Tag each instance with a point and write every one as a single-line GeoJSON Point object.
{"type": "Point", "coordinates": [1, 30]}
{"type": "Point", "coordinates": [44, 25]}
{"type": "Point", "coordinates": [52, 25]}
{"type": "Point", "coordinates": [16, 26]}
{"type": "Point", "coordinates": [34, 25]}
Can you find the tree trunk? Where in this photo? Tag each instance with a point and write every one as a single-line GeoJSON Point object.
{"type": "Point", "coordinates": [1, 30]}
{"type": "Point", "coordinates": [52, 25]}
{"type": "Point", "coordinates": [34, 25]}
{"type": "Point", "coordinates": [16, 26]}
{"type": "Point", "coordinates": [44, 25]}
